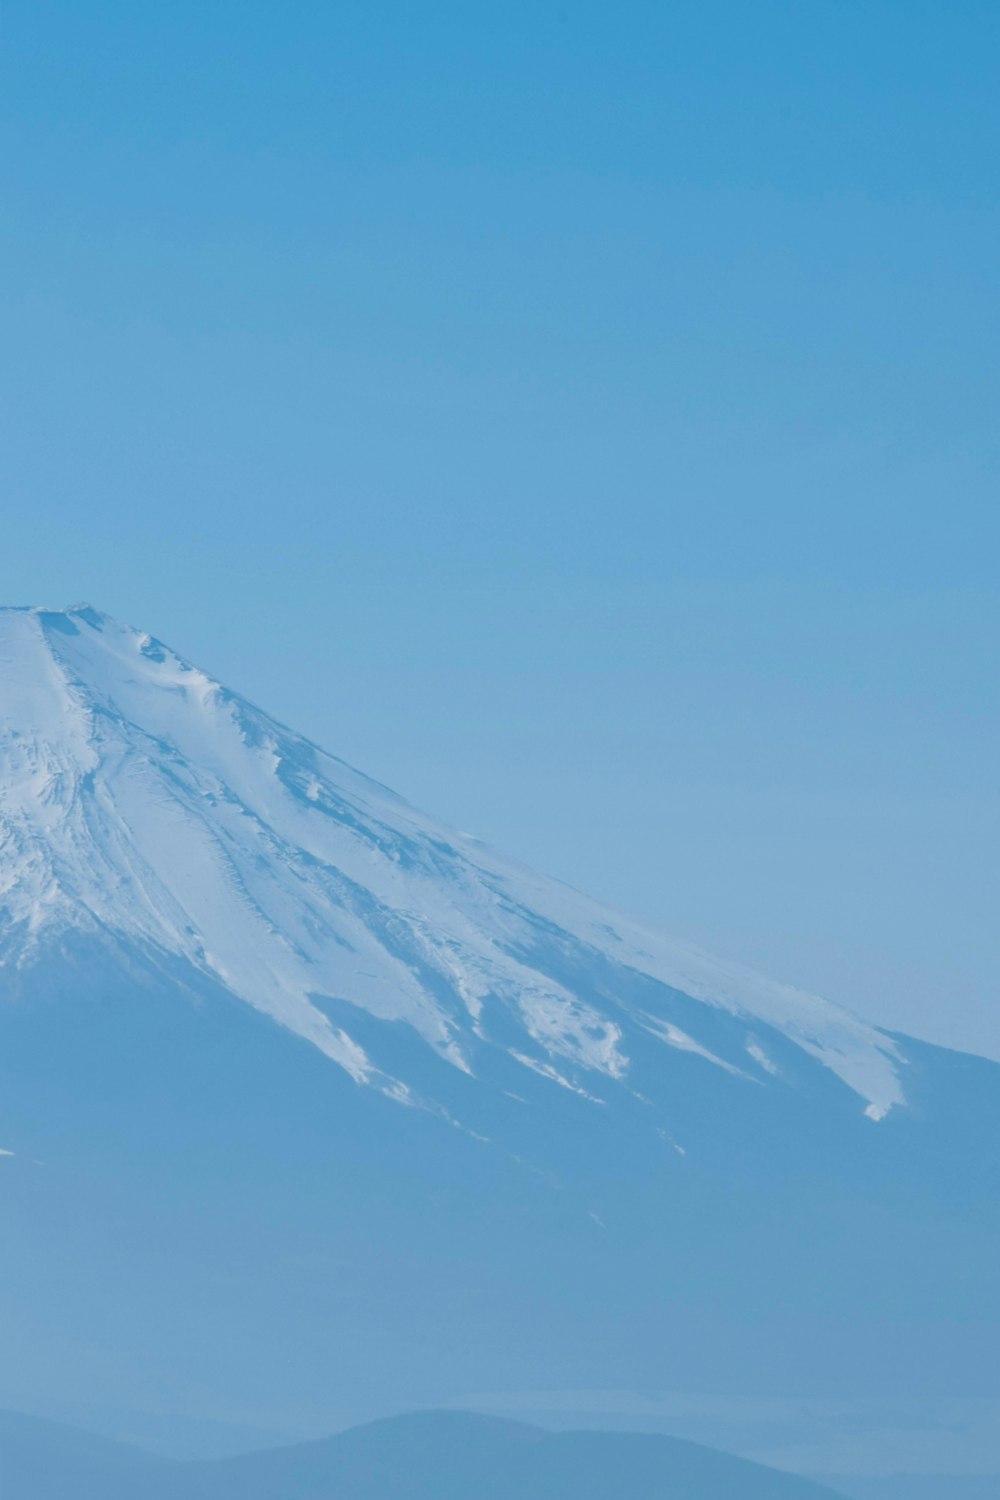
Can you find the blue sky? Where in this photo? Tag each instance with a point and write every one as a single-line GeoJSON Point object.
{"type": "Point", "coordinates": [582, 418]}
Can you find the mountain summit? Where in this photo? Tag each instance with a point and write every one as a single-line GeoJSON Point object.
{"type": "Point", "coordinates": [145, 807]}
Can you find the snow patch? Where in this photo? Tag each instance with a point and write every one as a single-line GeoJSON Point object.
{"type": "Point", "coordinates": [546, 1070]}
{"type": "Point", "coordinates": [674, 1037]}
{"type": "Point", "coordinates": [756, 1051]}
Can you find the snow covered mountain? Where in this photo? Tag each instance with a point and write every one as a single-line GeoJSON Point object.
{"type": "Point", "coordinates": [311, 1108]}
{"type": "Point", "coordinates": [142, 803]}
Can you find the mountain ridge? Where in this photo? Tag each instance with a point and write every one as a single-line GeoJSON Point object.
{"type": "Point", "coordinates": [417, 1456]}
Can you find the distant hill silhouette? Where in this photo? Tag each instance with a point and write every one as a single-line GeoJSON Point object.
{"type": "Point", "coordinates": [924, 1487]}
{"type": "Point", "coordinates": [424, 1456]}
{"type": "Point", "coordinates": [42, 1460]}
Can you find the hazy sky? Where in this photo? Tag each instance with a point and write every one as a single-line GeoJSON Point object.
{"type": "Point", "coordinates": [582, 417]}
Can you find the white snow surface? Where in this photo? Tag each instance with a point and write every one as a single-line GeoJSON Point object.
{"type": "Point", "coordinates": [142, 802]}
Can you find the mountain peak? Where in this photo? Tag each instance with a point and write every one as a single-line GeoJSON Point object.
{"type": "Point", "coordinates": [82, 608]}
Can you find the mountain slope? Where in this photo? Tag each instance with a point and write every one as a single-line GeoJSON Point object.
{"type": "Point", "coordinates": [142, 805]}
